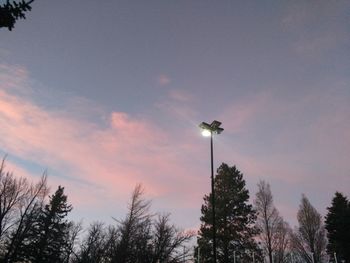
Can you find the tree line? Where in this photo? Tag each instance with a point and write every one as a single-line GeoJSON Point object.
{"type": "Point", "coordinates": [34, 227]}
{"type": "Point", "coordinates": [258, 233]}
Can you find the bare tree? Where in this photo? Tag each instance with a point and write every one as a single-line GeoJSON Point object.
{"type": "Point", "coordinates": [139, 238]}
{"type": "Point", "coordinates": [19, 206]}
{"type": "Point", "coordinates": [93, 247]}
{"type": "Point", "coordinates": [283, 242]}
{"type": "Point", "coordinates": [72, 239]}
{"type": "Point", "coordinates": [273, 229]}
{"type": "Point", "coordinates": [145, 240]}
{"type": "Point", "coordinates": [12, 194]}
{"type": "Point", "coordinates": [169, 242]}
{"type": "Point", "coordinates": [135, 229]}
{"type": "Point", "coordinates": [309, 239]}
{"type": "Point", "coordinates": [29, 208]}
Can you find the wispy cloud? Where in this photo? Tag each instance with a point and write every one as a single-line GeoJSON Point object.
{"type": "Point", "coordinates": [14, 78]}
{"type": "Point", "coordinates": [316, 28]}
{"type": "Point", "coordinates": [179, 105]}
{"type": "Point", "coordinates": [163, 80]}
{"type": "Point", "coordinates": [298, 145]}
{"type": "Point", "coordinates": [60, 141]}
{"type": "Point", "coordinates": [109, 158]}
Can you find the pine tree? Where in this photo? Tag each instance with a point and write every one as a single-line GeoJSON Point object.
{"type": "Point", "coordinates": [235, 219]}
{"type": "Point", "coordinates": [338, 226]}
{"type": "Point", "coordinates": [51, 230]}
{"type": "Point", "coordinates": [10, 12]}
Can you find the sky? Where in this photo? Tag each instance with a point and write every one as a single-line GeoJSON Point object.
{"type": "Point", "coordinates": [104, 95]}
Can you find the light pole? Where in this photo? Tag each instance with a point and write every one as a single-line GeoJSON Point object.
{"type": "Point", "coordinates": [209, 130]}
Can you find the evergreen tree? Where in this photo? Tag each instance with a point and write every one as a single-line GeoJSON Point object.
{"type": "Point", "coordinates": [235, 220]}
{"type": "Point", "coordinates": [338, 226]}
{"type": "Point", "coordinates": [51, 231]}
{"type": "Point", "coordinates": [12, 11]}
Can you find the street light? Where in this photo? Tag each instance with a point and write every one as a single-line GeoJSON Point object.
{"type": "Point", "coordinates": [209, 130]}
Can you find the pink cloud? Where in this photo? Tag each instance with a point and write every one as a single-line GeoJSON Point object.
{"type": "Point", "coordinates": [14, 78]}
{"type": "Point", "coordinates": [104, 162]}
{"type": "Point", "coordinates": [180, 95]}
{"type": "Point", "coordinates": [18, 171]}
{"type": "Point", "coordinates": [163, 80]}
{"type": "Point", "coordinates": [114, 158]}
{"type": "Point", "coordinates": [79, 195]}
{"type": "Point", "coordinates": [179, 106]}
{"type": "Point", "coordinates": [33, 133]}
{"type": "Point", "coordinates": [240, 116]}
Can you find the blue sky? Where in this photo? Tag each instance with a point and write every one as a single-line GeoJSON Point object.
{"type": "Point", "coordinates": [108, 94]}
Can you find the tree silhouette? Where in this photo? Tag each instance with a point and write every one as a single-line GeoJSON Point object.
{"type": "Point", "coordinates": [273, 229]}
{"type": "Point", "coordinates": [10, 12]}
{"type": "Point", "coordinates": [139, 238]}
{"type": "Point", "coordinates": [235, 219]}
{"type": "Point", "coordinates": [309, 239]}
{"type": "Point", "coordinates": [48, 236]}
{"type": "Point", "coordinates": [24, 220]}
{"type": "Point", "coordinates": [50, 232]}
{"type": "Point", "coordinates": [338, 228]}
{"type": "Point", "coordinates": [33, 229]}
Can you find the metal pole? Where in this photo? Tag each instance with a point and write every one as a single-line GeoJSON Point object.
{"type": "Point", "coordinates": [213, 195]}
{"type": "Point", "coordinates": [335, 258]}
{"type": "Point", "coordinates": [199, 254]}
{"type": "Point", "coordinates": [234, 256]}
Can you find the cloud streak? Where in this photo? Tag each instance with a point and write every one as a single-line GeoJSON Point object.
{"type": "Point", "coordinates": [109, 159]}
{"type": "Point", "coordinates": [298, 146]}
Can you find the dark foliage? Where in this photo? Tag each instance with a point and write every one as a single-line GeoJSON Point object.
{"type": "Point", "coordinates": [10, 12]}
{"type": "Point", "coordinates": [235, 220]}
{"type": "Point", "coordinates": [338, 226]}
{"type": "Point", "coordinates": [50, 231]}
{"type": "Point", "coordinates": [20, 221]}
{"type": "Point", "coordinates": [34, 230]}
{"type": "Point", "coordinates": [98, 245]}
{"type": "Point", "coordinates": [138, 238]}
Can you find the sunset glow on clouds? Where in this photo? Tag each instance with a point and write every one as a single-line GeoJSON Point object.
{"type": "Point", "coordinates": [58, 140]}
{"type": "Point", "coordinates": [111, 159]}
{"type": "Point", "coordinates": [120, 102]}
